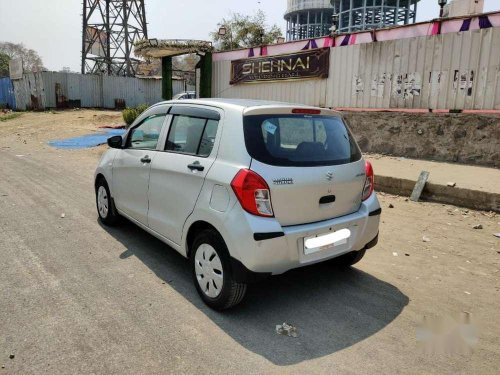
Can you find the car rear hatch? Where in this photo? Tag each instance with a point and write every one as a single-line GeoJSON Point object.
{"type": "Point", "coordinates": [310, 161]}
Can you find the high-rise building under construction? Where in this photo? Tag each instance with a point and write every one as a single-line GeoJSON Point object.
{"type": "Point", "coordinates": [313, 18]}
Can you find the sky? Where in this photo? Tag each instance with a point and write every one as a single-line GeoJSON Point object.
{"type": "Point", "coordinates": [53, 27]}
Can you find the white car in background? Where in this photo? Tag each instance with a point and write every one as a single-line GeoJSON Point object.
{"type": "Point", "coordinates": [185, 95]}
{"type": "Point", "coordinates": [244, 189]}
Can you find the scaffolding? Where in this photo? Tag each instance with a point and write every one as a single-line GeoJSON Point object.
{"type": "Point", "coordinates": [110, 29]}
{"type": "Point", "coordinates": [313, 18]}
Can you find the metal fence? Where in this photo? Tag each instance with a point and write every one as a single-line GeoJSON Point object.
{"type": "Point", "coordinates": [63, 90]}
{"type": "Point", "coordinates": [449, 71]}
{"type": "Point", "coordinates": [7, 98]}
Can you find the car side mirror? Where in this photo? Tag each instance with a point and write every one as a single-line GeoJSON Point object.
{"type": "Point", "coordinates": [115, 141]}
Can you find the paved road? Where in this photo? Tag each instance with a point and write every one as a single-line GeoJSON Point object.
{"type": "Point", "coordinates": [79, 298]}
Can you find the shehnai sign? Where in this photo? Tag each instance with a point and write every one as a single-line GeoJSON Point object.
{"type": "Point", "coordinates": [301, 65]}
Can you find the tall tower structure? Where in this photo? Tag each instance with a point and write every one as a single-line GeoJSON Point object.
{"type": "Point", "coordinates": [110, 29]}
{"type": "Point", "coordinates": [313, 18]}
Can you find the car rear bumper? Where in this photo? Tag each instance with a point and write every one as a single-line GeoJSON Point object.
{"type": "Point", "coordinates": [272, 249]}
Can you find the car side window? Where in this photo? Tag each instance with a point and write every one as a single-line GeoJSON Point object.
{"type": "Point", "coordinates": [146, 135]}
{"type": "Point", "coordinates": [192, 135]}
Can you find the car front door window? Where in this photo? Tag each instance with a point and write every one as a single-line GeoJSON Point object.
{"type": "Point", "coordinates": [146, 135]}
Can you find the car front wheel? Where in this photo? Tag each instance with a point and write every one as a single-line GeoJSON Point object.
{"type": "Point", "coordinates": [212, 272]}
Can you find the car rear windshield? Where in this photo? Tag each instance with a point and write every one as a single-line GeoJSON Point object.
{"type": "Point", "coordinates": [299, 140]}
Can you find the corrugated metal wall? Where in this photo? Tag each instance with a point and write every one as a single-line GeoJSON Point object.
{"type": "Point", "coordinates": [134, 91]}
{"type": "Point", "coordinates": [7, 98]}
{"type": "Point", "coordinates": [311, 92]}
{"type": "Point", "coordinates": [52, 90]}
{"type": "Point", "coordinates": [449, 71]}
{"type": "Point", "coordinates": [29, 92]}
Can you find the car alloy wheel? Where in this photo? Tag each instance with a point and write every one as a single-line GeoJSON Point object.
{"type": "Point", "coordinates": [209, 272]}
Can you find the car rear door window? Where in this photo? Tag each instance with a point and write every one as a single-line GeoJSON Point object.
{"type": "Point", "coordinates": [146, 135]}
{"type": "Point", "coordinates": [192, 135]}
{"type": "Point", "coordinates": [299, 140]}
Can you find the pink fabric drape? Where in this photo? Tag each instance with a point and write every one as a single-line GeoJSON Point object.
{"type": "Point", "coordinates": [435, 28]}
{"type": "Point", "coordinates": [409, 31]}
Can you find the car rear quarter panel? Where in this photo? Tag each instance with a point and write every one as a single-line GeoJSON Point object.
{"type": "Point", "coordinates": [231, 157]}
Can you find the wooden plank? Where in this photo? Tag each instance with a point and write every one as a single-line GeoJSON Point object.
{"type": "Point", "coordinates": [419, 186]}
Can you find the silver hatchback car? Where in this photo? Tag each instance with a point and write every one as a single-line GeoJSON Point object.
{"type": "Point", "coordinates": [245, 189]}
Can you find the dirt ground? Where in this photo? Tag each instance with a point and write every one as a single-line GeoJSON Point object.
{"type": "Point", "coordinates": [471, 177]}
{"type": "Point", "coordinates": [76, 297]}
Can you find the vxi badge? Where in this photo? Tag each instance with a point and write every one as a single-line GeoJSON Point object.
{"type": "Point", "coordinates": [283, 181]}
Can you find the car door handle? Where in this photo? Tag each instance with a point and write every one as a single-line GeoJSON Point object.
{"type": "Point", "coordinates": [196, 166]}
{"type": "Point", "coordinates": [146, 159]}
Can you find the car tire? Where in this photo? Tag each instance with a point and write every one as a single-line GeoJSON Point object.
{"type": "Point", "coordinates": [212, 273]}
{"type": "Point", "coordinates": [350, 259]}
{"type": "Point", "coordinates": [105, 205]}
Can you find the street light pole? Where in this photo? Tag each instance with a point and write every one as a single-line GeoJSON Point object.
{"type": "Point", "coordinates": [441, 3]}
{"type": "Point", "coordinates": [335, 24]}
{"type": "Point", "coordinates": [223, 30]}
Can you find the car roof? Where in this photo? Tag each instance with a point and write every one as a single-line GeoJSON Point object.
{"type": "Point", "coordinates": [241, 104]}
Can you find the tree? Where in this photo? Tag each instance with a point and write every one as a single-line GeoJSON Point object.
{"type": "Point", "coordinates": [4, 64]}
{"type": "Point", "coordinates": [243, 31]}
{"type": "Point", "coordinates": [32, 62]}
{"type": "Point", "coordinates": [186, 63]}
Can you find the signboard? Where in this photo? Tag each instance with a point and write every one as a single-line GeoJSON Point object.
{"type": "Point", "coordinates": [96, 41]}
{"type": "Point", "coordinates": [300, 65]}
{"type": "Point", "coordinates": [16, 69]}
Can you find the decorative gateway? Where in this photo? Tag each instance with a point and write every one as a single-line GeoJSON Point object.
{"type": "Point", "coordinates": [300, 65]}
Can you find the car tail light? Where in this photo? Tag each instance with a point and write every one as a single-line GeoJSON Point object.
{"type": "Point", "coordinates": [253, 193]}
{"type": "Point", "coordinates": [369, 181]}
{"type": "Point", "coordinates": [306, 111]}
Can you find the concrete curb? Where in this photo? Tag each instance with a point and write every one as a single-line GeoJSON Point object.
{"type": "Point", "coordinates": [474, 199]}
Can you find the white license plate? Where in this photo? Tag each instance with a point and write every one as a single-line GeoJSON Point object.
{"type": "Point", "coordinates": [321, 242]}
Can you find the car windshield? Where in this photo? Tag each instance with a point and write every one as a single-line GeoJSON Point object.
{"type": "Point", "coordinates": [299, 140]}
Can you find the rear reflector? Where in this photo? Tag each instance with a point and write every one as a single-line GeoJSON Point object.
{"type": "Point", "coordinates": [306, 111]}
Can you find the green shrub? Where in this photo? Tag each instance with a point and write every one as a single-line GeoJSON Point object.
{"type": "Point", "coordinates": [129, 115]}
{"type": "Point", "coordinates": [141, 108]}
{"type": "Point", "coordinates": [9, 116]}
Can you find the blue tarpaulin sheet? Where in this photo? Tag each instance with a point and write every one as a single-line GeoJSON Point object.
{"type": "Point", "coordinates": [86, 141]}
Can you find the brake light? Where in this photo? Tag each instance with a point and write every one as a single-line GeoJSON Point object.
{"type": "Point", "coordinates": [306, 111]}
{"type": "Point", "coordinates": [252, 193]}
{"type": "Point", "coordinates": [369, 181]}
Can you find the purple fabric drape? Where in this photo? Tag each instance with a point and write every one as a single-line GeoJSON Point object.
{"type": "Point", "coordinates": [484, 22]}
{"type": "Point", "coordinates": [311, 44]}
{"type": "Point", "coordinates": [345, 42]}
{"type": "Point", "coordinates": [251, 53]}
{"type": "Point", "coordinates": [466, 24]}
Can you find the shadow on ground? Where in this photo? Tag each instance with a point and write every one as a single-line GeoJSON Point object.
{"type": "Point", "coordinates": [331, 308]}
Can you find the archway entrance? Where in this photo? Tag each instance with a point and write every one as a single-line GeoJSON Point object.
{"type": "Point", "coordinates": [167, 49]}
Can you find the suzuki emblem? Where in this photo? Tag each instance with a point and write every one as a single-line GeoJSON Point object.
{"type": "Point", "coordinates": [329, 176]}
